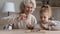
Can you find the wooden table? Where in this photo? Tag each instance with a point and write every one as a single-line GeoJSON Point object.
{"type": "Point", "coordinates": [24, 32]}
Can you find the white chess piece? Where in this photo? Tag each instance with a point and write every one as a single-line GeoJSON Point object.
{"type": "Point", "coordinates": [10, 27]}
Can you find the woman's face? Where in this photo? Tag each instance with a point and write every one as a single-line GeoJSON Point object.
{"type": "Point", "coordinates": [28, 8]}
{"type": "Point", "coordinates": [44, 17]}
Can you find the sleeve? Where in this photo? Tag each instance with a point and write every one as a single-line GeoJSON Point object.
{"type": "Point", "coordinates": [6, 20]}
{"type": "Point", "coordinates": [34, 20]}
{"type": "Point", "coordinates": [57, 25]}
{"type": "Point", "coordinates": [54, 22]}
{"type": "Point", "coordinates": [36, 26]}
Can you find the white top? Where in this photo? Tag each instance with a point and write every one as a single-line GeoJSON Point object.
{"type": "Point", "coordinates": [53, 25]}
{"type": "Point", "coordinates": [18, 24]}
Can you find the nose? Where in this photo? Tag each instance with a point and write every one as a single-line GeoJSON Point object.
{"type": "Point", "coordinates": [42, 19]}
{"type": "Point", "coordinates": [30, 9]}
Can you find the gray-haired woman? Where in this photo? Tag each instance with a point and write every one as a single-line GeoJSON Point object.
{"type": "Point", "coordinates": [26, 7]}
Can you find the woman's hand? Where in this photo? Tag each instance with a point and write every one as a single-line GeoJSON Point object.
{"type": "Point", "coordinates": [22, 16]}
{"type": "Point", "coordinates": [30, 26]}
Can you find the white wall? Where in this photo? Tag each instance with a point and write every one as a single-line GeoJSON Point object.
{"type": "Point", "coordinates": [17, 3]}
{"type": "Point", "coordinates": [56, 13]}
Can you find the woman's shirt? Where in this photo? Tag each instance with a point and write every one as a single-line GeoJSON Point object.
{"type": "Point", "coordinates": [16, 23]}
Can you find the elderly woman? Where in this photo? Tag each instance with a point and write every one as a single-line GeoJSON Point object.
{"type": "Point", "coordinates": [26, 8]}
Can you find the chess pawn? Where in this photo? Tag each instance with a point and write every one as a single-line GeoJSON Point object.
{"type": "Point", "coordinates": [10, 27]}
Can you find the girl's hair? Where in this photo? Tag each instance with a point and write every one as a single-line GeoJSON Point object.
{"type": "Point", "coordinates": [44, 8]}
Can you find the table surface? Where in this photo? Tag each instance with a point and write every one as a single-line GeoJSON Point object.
{"type": "Point", "coordinates": [19, 31]}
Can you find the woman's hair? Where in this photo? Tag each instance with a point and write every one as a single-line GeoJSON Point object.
{"type": "Point", "coordinates": [44, 8]}
{"type": "Point", "coordinates": [26, 2]}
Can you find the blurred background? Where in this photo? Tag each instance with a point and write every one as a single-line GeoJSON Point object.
{"type": "Point", "coordinates": [55, 4]}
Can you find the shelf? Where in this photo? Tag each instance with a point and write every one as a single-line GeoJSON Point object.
{"type": "Point", "coordinates": [53, 3]}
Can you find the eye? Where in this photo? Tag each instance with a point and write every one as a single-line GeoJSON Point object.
{"type": "Point", "coordinates": [31, 7]}
{"type": "Point", "coordinates": [44, 16]}
{"type": "Point", "coordinates": [40, 17]}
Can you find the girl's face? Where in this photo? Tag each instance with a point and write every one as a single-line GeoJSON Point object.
{"type": "Point", "coordinates": [44, 17]}
{"type": "Point", "coordinates": [28, 8]}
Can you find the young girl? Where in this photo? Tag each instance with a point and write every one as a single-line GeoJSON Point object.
{"type": "Point", "coordinates": [45, 23]}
